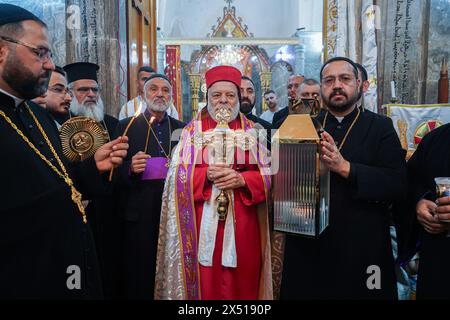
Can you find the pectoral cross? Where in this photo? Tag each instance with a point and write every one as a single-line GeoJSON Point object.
{"type": "Point", "coordinates": [222, 139]}
{"type": "Point", "coordinates": [76, 198]}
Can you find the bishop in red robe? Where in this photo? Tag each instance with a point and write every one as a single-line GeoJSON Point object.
{"type": "Point", "coordinates": [199, 255]}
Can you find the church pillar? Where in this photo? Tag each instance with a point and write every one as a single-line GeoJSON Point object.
{"type": "Point", "coordinates": [94, 38]}
{"type": "Point", "coordinates": [300, 58]}
{"type": "Point", "coordinates": [266, 77]}
{"type": "Point", "coordinates": [194, 82]}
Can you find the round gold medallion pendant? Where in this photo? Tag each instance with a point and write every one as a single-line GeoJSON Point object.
{"type": "Point", "coordinates": [81, 137]}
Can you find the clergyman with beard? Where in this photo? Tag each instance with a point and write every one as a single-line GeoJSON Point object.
{"type": "Point", "coordinates": [140, 184]}
{"type": "Point", "coordinates": [58, 97]}
{"type": "Point", "coordinates": [200, 256]}
{"type": "Point", "coordinates": [87, 101]}
{"type": "Point", "coordinates": [46, 243]}
{"type": "Point", "coordinates": [353, 258]}
{"type": "Point", "coordinates": [248, 99]}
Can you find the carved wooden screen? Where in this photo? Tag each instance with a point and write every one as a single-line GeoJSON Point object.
{"type": "Point", "coordinates": [141, 38]}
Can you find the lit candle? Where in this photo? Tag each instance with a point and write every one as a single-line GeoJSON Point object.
{"type": "Point", "coordinates": [393, 89]}
{"type": "Point", "coordinates": [111, 172]}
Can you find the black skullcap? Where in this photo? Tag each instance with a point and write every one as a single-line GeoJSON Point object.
{"type": "Point", "coordinates": [60, 70]}
{"type": "Point", "coordinates": [158, 75]}
{"type": "Point", "coordinates": [146, 69]}
{"type": "Point", "coordinates": [351, 62]}
{"type": "Point", "coordinates": [363, 71]}
{"type": "Point", "coordinates": [11, 14]}
{"type": "Point", "coordinates": [81, 71]}
{"type": "Point", "coordinates": [248, 79]}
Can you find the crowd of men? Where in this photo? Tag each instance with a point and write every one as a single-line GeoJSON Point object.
{"type": "Point", "coordinates": [138, 219]}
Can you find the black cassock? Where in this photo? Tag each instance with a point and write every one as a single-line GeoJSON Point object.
{"type": "Point", "coordinates": [104, 220]}
{"type": "Point", "coordinates": [279, 117]}
{"type": "Point", "coordinates": [337, 265]}
{"type": "Point", "coordinates": [42, 236]}
{"type": "Point", "coordinates": [266, 125]}
{"type": "Point", "coordinates": [431, 160]}
{"type": "Point", "coordinates": [140, 204]}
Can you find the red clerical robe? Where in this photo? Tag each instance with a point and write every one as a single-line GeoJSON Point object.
{"type": "Point", "coordinates": [242, 282]}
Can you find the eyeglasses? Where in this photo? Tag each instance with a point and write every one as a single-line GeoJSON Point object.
{"type": "Point", "coordinates": [344, 78]}
{"type": "Point", "coordinates": [85, 90]}
{"type": "Point", "coordinates": [44, 54]}
{"type": "Point", "coordinates": [61, 91]}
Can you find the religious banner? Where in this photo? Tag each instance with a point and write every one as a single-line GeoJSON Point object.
{"type": "Point", "coordinates": [413, 122]}
{"type": "Point", "coordinates": [173, 72]}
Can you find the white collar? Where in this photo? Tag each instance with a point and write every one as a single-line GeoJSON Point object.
{"type": "Point", "coordinates": [17, 101]}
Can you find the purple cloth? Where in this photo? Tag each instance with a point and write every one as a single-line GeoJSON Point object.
{"type": "Point", "coordinates": [155, 169]}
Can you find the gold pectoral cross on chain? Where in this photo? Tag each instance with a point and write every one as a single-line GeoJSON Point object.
{"type": "Point", "coordinates": [76, 198]}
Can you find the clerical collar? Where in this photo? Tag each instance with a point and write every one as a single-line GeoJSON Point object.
{"type": "Point", "coordinates": [347, 118]}
{"type": "Point", "coordinates": [17, 101]}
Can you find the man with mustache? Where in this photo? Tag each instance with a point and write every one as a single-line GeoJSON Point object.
{"type": "Point", "coordinates": [137, 105]}
{"type": "Point", "coordinates": [140, 184]}
{"type": "Point", "coordinates": [87, 102]}
{"type": "Point", "coordinates": [202, 255]}
{"type": "Point", "coordinates": [353, 258]}
{"type": "Point", "coordinates": [293, 84]}
{"type": "Point", "coordinates": [248, 99]}
{"type": "Point", "coordinates": [58, 97]}
{"type": "Point", "coordinates": [45, 241]}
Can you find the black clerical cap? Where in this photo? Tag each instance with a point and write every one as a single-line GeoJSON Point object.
{"type": "Point", "coordinates": [81, 71]}
{"type": "Point", "coordinates": [158, 75]}
{"type": "Point", "coordinates": [10, 14]}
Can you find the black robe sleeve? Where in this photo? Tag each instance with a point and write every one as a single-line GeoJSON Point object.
{"type": "Point", "coordinates": [388, 175]}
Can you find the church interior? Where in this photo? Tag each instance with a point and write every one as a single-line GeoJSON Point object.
{"type": "Point", "coordinates": [402, 44]}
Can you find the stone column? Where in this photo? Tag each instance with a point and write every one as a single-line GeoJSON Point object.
{"type": "Point", "coordinates": [300, 50]}
{"type": "Point", "coordinates": [194, 81]}
{"type": "Point", "coordinates": [266, 78]}
{"type": "Point", "coordinates": [161, 53]}
{"type": "Point", "coordinates": [404, 49]}
{"type": "Point", "coordinates": [95, 39]}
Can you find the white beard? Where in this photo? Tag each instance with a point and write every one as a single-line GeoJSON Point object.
{"type": "Point", "coordinates": [94, 112]}
{"type": "Point", "coordinates": [234, 112]}
{"type": "Point", "coordinates": [157, 107]}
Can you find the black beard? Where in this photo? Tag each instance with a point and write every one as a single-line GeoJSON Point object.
{"type": "Point", "coordinates": [341, 107]}
{"type": "Point", "coordinates": [22, 80]}
{"type": "Point", "coordinates": [246, 106]}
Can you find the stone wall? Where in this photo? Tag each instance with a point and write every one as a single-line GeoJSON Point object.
{"type": "Point", "coordinates": [438, 46]}
{"type": "Point", "coordinates": [413, 39]}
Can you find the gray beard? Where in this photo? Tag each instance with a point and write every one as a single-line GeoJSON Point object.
{"type": "Point", "coordinates": [94, 112]}
{"type": "Point", "coordinates": [157, 108]}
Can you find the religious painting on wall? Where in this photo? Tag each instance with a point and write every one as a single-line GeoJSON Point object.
{"type": "Point", "coordinates": [257, 51]}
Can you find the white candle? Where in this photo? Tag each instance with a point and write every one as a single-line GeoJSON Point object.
{"type": "Point", "coordinates": [393, 89]}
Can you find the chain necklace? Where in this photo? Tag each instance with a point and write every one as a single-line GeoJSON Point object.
{"type": "Point", "coordinates": [157, 140]}
{"type": "Point", "coordinates": [348, 131]}
{"type": "Point", "coordinates": [76, 195]}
